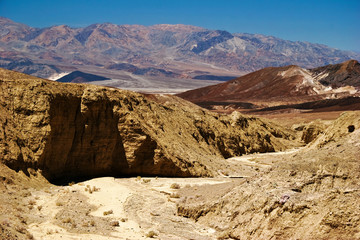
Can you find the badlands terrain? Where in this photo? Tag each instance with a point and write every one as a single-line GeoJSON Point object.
{"type": "Point", "coordinates": [82, 161]}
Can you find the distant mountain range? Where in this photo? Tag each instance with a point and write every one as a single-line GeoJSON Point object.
{"type": "Point", "coordinates": [175, 51]}
{"type": "Point", "coordinates": [276, 86]}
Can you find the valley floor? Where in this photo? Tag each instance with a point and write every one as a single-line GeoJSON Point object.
{"type": "Point", "coordinates": [143, 207]}
{"type": "Point", "coordinates": [306, 193]}
{"type": "Point", "coordinates": [119, 208]}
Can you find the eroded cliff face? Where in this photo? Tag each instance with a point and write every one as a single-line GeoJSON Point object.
{"type": "Point", "coordinates": [74, 131]}
{"type": "Point", "coordinates": [309, 194]}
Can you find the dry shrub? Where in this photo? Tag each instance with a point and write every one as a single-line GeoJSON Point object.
{"type": "Point", "coordinates": [151, 234]}
{"type": "Point", "coordinates": [67, 220]}
{"type": "Point", "coordinates": [91, 189]}
{"type": "Point", "coordinates": [146, 180]}
{"type": "Point", "coordinates": [175, 195]}
{"type": "Point", "coordinates": [108, 212]}
{"type": "Point", "coordinates": [115, 223]}
{"type": "Point", "coordinates": [175, 186]}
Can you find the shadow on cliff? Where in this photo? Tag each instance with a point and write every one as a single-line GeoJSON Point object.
{"type": "Point", "coordinates": [87, 136]}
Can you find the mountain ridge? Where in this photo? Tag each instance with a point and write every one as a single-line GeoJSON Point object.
{"type": "Point", "coordinates": [176, 48]}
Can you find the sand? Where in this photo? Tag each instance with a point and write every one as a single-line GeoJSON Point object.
{"type": "Point", "coordinates": [140, 205]}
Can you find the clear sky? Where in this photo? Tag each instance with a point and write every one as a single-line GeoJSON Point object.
{"type": "Point", "coordinates": [335, 23]}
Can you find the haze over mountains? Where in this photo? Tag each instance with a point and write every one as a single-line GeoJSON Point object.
{"type": "Point", "coordinates": [166, 51]}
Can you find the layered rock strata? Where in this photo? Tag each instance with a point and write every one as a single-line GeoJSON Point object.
{"type": "Point", "coordinates": [73, 131]}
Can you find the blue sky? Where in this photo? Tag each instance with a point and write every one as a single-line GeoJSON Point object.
{"type": "Point", "coordinates": [331, 22]}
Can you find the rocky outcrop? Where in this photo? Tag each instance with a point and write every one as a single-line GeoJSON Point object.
{"type": "Point", "coordinates": [347, 123]}
{"type": "Point", "coordinates": [75, 130]}
{"type": "Point", "coordinates": [312, 131]}
{"type": "Point", "coordinates": [309, 194]}
{"type": "Point", "coordinates": [339, 75]}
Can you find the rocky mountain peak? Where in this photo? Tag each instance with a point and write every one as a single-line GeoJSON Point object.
{"type": "Point", "coordinates": [179, 48]}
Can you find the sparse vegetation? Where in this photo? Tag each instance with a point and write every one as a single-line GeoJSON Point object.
{"type": "Point", "coordinates": [146, 180]}
{"type": "Point", "coordinates": [174, 195]}
{"type": "Point", "coordinates": [108, 212]}
{"type": "Point", "coordinates": [175, 186]}
{"type": "Point", "coordinates": [90, 189]}
{"type": "Point", "coordinates": [59, 204]}
{"type": "Point", "coordinates": [151, 234]}
{"type": "Point", "coordinates": [67, 220]}
{"type": "Point", "coordinates": [115, 223]}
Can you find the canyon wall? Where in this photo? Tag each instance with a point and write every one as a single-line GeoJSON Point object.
{"type": "Point", "coordinates": [69, 131]}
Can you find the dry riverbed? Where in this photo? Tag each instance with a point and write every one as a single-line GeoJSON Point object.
{"type": "Point", "coordinates": [114, 208]}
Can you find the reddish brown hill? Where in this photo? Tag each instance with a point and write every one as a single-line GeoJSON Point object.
{"type": "Point", "coordinates": [269, 86]}
{"type": "Point", "coordinates": [339, 75]}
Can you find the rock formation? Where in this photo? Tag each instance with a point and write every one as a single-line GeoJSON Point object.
{"type": "Point", "coordinates": [339, 75]}
{"type": "Point", "coordinates": [312, 131]}
{"type": "Point", "coordinates": [310, 194]}
{"type": "Point", "coordinates": [75, 130]}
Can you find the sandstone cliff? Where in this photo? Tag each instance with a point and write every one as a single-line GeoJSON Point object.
{"type": "Point", "coordinates": [310, 194]}
{"type": "Point", "coordinates": [73, 131]}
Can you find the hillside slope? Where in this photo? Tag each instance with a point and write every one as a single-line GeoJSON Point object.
{"type": "Point", "coordinates": [309, 194]}
{"type": "Point", "coordinates": [282, 85]}
{"type": "Point", "coordinates": [73, 130]}
{"type": "Point", "coordinates": [339, 75]}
